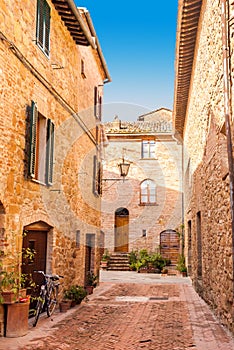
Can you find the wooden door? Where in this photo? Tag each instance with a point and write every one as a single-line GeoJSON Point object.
{"type": "Point", "coordinates": [170, 245]}
{"type": "Point", "coordinates": [89, 255]}
{"type": "Point", "coordinates": [36, 241]}
{"type": "Point", "coordinates": [121, 233]}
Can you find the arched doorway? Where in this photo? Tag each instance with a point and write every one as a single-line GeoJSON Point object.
{"type": "Point", "coordinates": [121, 230]}
{"type": "Point", "coordinates": [170, 245]}
{"type": "Point", "coordinates": [35, 238]}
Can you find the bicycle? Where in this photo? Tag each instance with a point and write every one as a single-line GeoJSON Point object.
{"type": "Point", "coordinates": [48, 295]}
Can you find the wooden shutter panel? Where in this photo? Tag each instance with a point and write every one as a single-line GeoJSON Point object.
{"type": "Point", "coordinates": [49, 152]}
{"type": "Point", "coordinates": [43, 25]}
{"type": "Point", "coordinates": [100, 170]}
{"type": "Point", "coordinates": [95, 174]}
{"type": "Point", "coordinates": [33, 135]}
{"type": "Point", "coordinates": [100, 107]}
{"type": "Point", "coordinates": [40, 22]}
{"type": "Point", "coordinates": [47, 28]}
{"type": "Point", "coordinates": [95, 101]}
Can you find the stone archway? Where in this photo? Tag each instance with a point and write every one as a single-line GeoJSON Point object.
{"type": "Point", "coordinates": [36, 238]}
{"type": "Point", "coordinates": [121, 230]}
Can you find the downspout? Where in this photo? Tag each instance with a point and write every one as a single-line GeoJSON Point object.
{"type": "Point", "coordinates": [180, 142]}
{"type": "Point", "coordinates": [227, 111]}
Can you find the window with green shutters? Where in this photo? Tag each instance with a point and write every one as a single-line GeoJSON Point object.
{"type": "Point", "coordinates": [43, 26]}
{"type": "Point", "coordinates": [41, 156]}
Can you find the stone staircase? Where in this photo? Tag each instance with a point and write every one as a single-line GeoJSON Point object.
{"type": "Point", "coordinates": [119, 262]}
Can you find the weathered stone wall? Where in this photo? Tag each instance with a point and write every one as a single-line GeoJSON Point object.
{"type": "Point", "coordinates": [205, 166]}
{"type": "Point", "coordinates": [165, 170]}
{"type": "Point", "coordinates": [26, 74]}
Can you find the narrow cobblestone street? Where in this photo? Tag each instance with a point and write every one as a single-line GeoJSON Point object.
{"type": "Point", "coordinates": [131, 311]}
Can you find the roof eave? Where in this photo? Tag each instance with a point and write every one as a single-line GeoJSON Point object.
{"type": "Point", "coordinates": [74, 22]}
{"type": "Point", "coordinates": [187, 25]}
{"type": "Point", "coordinates": [98, 46]}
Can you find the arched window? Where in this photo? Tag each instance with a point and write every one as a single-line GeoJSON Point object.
{"type": "Point", "coordinates": [148, 192]}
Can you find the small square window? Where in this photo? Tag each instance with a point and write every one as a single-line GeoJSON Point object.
{"type": "Point", "coordinates": [148, 149]}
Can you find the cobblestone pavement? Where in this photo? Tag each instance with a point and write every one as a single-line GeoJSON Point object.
{"type": "Point", "coordinates": [131, 311]}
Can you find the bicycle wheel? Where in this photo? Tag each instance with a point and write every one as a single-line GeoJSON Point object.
{"type": "Point", "coordinates": [39, 307]}
{"type": "Point", "coordinates": [52, 301]}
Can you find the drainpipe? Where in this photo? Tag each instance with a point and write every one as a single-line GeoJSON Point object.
{"type": "Point", "coordinates": [227, 111]}
{"type": "Point", "coordinates": [179, 141]}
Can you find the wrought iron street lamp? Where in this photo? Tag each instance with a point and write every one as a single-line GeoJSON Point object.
{"type": "Point", "coordinates": [124, 168]}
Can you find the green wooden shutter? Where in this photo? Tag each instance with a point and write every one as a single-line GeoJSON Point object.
{"type": "Point", "coordinates": [100, 107]}
{"type": "Point", "coordinates": [94, 174]}
{"type": "Point", "coordinates": [47, 28]}
{"type": "Point", "coordinates": [100, 170]}
{"type": "Point", "coordinates": [40, 21]}
{"type": "Point", "coordinates": [33, 136]}
{"type": "Point", "coordinates": [95, 101]}
{"type": "Point", "coordinates": [49, 152]}
{"type": "Point", "coordinates": [43, 25]}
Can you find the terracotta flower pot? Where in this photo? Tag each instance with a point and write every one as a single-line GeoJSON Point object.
{"type": "Point", "coordinates": [89, 289]}
{"type": "Point", "coordinates": [64, 305]}
{"type": "Point", "coordinates": [8, 297]}
{"type": "Point", "coordinates": [17, 319]}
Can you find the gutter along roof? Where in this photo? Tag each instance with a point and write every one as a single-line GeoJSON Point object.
{"type": "Point", "coordinates": [187, 25]}
{"type": "Point", "coordinates": [80, 32]}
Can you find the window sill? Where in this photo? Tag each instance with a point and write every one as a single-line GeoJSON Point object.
{"type": "Point", "coordinates": [148, 204]}
{"type": "Point", "coordinates": [47, 55]}
{"type": "Point", "coordinates": [148, 158]}
{"type": "Point", "coordinates": [39, 182]}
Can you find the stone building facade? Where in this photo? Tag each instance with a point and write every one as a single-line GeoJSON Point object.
{"type": "Point", "coordinates": [202, 90]}
{"type": "Point", "coordinates": [52, 72]}
{"type": "Point", "coordinates": [148, 202]}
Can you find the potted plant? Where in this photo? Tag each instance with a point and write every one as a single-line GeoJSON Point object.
{"type": "Point", "coordinates": [105, 259]}
{"type": "Point", "coordinates": [65, 304]}
{"type": "Point", "coordinates": [181, 267]}
{"type": "Point", "coordinates": [8, 287]}
{"type": "Point", "coordinates": [76, 294]}
{"type": "Point", "coordinates": [91, 282]}
{"type": "Point", "coordinates": [12, 284]}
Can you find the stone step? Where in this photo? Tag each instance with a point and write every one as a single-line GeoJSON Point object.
{"type": "Point", "coordinates": [113, 260]}
{"type": "Point", "coordinates": [119, 262]}
{"type": "Point", "coordinates": [120, 255]}
{"type": "Point", "coordinates": [118, 268]}
{"type": "Point", "coordinates": [171, 270]}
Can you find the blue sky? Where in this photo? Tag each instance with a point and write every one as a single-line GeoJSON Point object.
{"type": "Point", "coordinates": [138, 43]}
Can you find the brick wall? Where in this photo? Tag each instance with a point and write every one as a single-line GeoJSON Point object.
{"type": "Point", "coordinates": [165, 170]}
{"type": "Point", "coordinates": [208, 248]}
{"type": "Point", "coordinates": [59, 89]}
